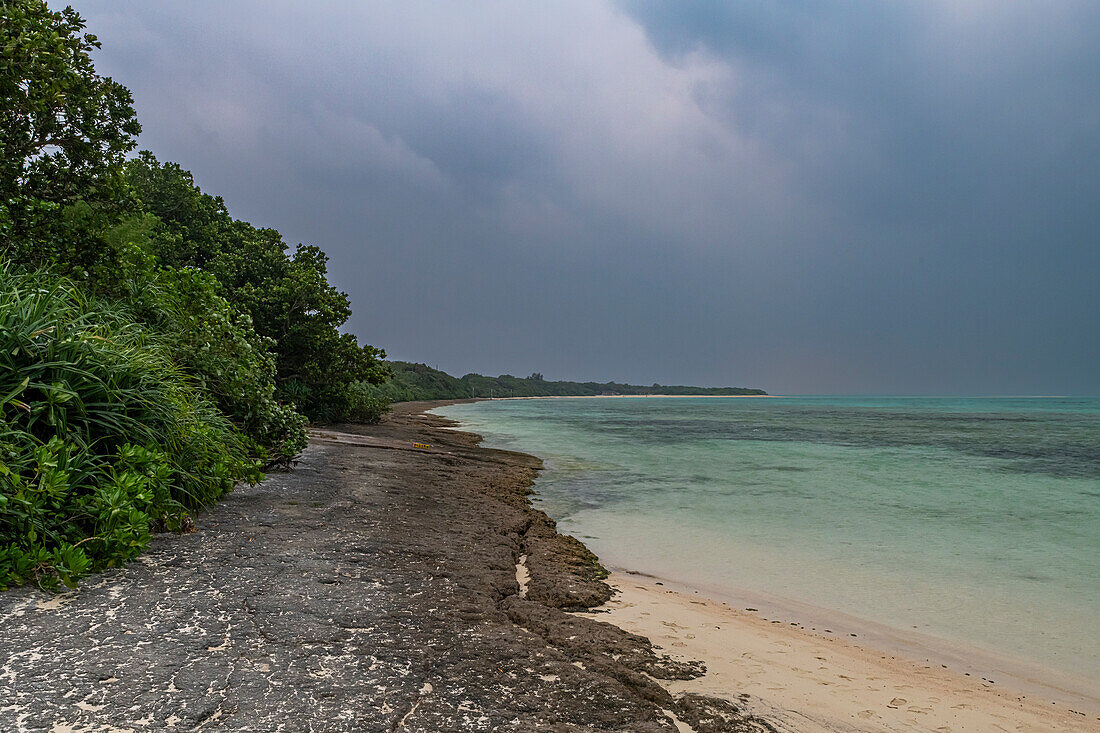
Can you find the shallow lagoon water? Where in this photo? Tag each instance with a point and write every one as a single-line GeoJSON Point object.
{"type": "Point", "coordinates": [975, 520]}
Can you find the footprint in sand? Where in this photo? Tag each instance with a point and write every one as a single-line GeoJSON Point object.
{"type": "Point", "coordinates": [918, 709]}
{"type": "Point", "coordinates": [867, 714]}
{"type": "Point", "coordinates": [896, 703]}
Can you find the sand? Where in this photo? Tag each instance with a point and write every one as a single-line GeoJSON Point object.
{"type": "Point", "coordinates": [801, 680]}
{"type": "Point", "coordinates": [376, 587]}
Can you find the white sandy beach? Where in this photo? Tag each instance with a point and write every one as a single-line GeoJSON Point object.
{"type": "Point", "coordinates": [803, 680]}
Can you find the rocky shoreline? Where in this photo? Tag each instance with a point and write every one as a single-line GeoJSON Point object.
{"type": "Point", "coordinates": [375, 587]}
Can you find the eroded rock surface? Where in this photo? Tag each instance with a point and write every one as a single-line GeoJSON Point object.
{"type": "Point", "coordinates": [373, 588]}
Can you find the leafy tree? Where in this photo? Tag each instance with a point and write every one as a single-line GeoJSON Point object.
{"type": "Point", "coordinates": [194, 226]}
{"type": "Point", "coordinates": [63, 133]}
{"type": "Point", "coordinates": [288, 298]}
{"type": "Point", "coordinates": [148, 382]}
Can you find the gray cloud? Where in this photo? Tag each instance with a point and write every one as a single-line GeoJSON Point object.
{"type": "Point", "coordinates": [807, 197]}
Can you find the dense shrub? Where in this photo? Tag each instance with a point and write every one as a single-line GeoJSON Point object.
{"type": "Point", "coordinates": [103, 439]}
{"type": "Point", "coordinates": [365, 406]}
{"type": "Point", "coordinates": [186, 347]}
{"type": "Point", "coordinates": [286, 294]}
{"type": "Point", "coordinates": [212, 341]}
{"type": "Point", "coordinates": [217, 346]}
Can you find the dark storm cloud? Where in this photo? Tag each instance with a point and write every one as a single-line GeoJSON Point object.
{"type": "Point", "coordinates": [801, 196]}
{"type": "Point", "coordinates": [911, 111]}
{"type": "Point", "coordinates": [958, 142]}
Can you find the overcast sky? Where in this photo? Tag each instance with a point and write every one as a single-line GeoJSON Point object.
{"type": "Point", "coordinates": [807, 197]}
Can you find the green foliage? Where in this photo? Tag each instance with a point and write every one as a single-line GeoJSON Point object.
{"type": "Point", "coordinates": [63, 132]}
{"type": "Point", "coordinates": [169, 364]}
{"type": "Point", "coordinates": [420, 382]}
{"type": "Point", "coordinates": [102, 438]}
{"type": "Point", "coordinates": [288, 298]}
{"type": "Point", "coordinates": [216, 345]}
{"type": "Point", "coordinates": [413, 382]}
{"type": "Point", "coordinates": [193, 225]}
{"type": "Point", "coordinates": [365, 405]}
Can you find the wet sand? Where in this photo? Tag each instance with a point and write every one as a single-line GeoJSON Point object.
{"type": "Point", "coordinates": [804, 668]}
{"type": "Point", "coordinates": [801, 680]}
{"type": "Point", "coordinates": [382, 585]}
{"type": "Point", "coordinates": [398, 579]}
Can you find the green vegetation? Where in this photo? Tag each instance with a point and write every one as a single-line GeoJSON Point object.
{"type": "Point", "coordinates": [421, 382]}
{"type": "Point", "coordinates": [288, 298]}
{"type": "Point", "coordinates": [103, 439]}
{"type": "Point", "coordinates": [411, 382]}
{"type": "Point", "coordinates": [154, 351]}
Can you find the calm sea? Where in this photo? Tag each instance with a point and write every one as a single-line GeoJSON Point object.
{"type": "Point", "coordinates": [971, 519]}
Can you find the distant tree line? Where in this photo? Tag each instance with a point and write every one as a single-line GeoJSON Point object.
{"type": "Point", "coordinates": [154, 350]}
{"type": "Point", "coordinates": [411, 382]}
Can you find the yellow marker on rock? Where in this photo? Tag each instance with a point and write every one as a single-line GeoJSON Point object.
{"type": "Point", "coordinates": [421, 445]}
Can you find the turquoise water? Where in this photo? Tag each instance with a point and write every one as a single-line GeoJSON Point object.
{"type": "Point", "coordinates": [969, 519]}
